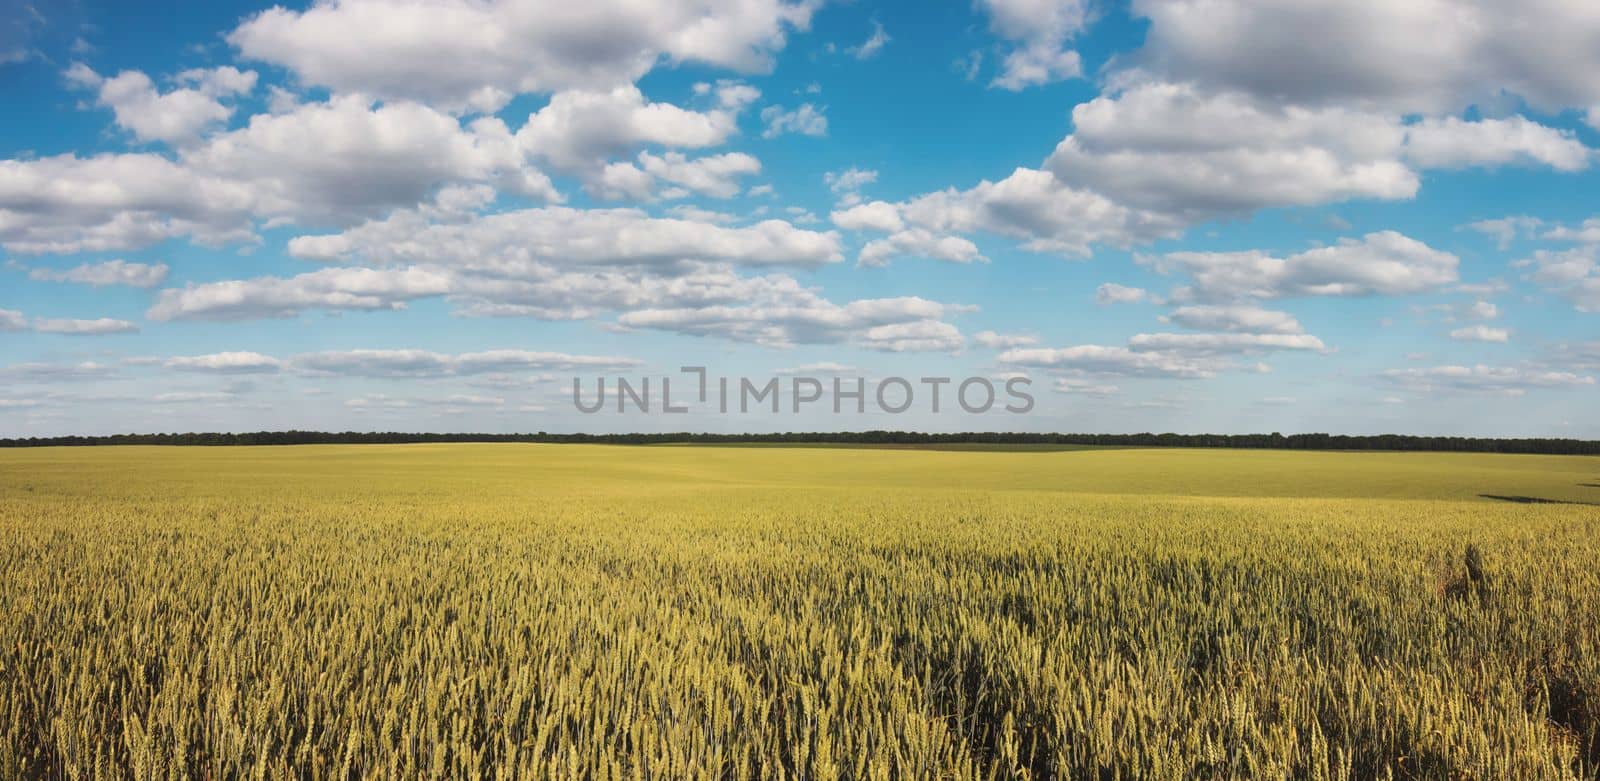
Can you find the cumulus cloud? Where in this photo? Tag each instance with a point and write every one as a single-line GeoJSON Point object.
{"type": "Point", "coordinates": [731, 94]}
{"type": "Point", "coordinates": [331, 289]}
{"type": "Point", "coordinates": [1235, 318]}
{"type": "Point", "coordinates": [1193, 156]}
{"type": "Point", "coordinates": [1454, 143]}
{"type": "Point", "coordinates": [1383, 263]}
{"type": "Point", "coordinates": [849, 180]}
{"type": "Point", "coordinates": [176, 116]}
{"type": "Point", "coordinates": [334, 162]}
{"type": "Point", "coordinates": [1113, 293]}
{"type": "Point", "coordinates": [999, 341]}
{"type": "Point", "coordinates": [566, 237]}
{"type": "Point", "coordinates": [577, 131]}
{"type": "Point", "coordinates": [1367, 52]}
{"type": "Point", "coordinates": [1480, 333]}
{"type": "Point", "coordinates": [1507, 380]}
{"type": "Point", "coordinates": [111, 272]}
{"type": "Point", "coordinates": [1101, 359]}
{"type": "Point", "coordinates": [1577, 355]}
{"type": "Point", "coordinates": [1036, 208]}
{"type": "Point", "coordinates": [780, 313]}
{"type": "Point", "coordinates": [426, 363]}
{"type": "Point", "coordinates": [1586, 232]}
{"type": "Point", "coordinates": [95, 327]}
{"type": "Point", "coordinates": [225, 363]}
{"type": "Point", "coordinates": [1573, 274]}
{"type": "Point", "coordinates": [1226, 342]}
{"type": "Point", "coordinates": [917, 242]}
{"type": "Point", "coordinates": [56, 372]}
{"type": "Point", "coordinates": [1040, 32]}
{"type": "Point", "coordinates": [1505, 230]}
{"type": "Point", "coordinates": [806, 120]}
{"type": "Point", "coordinates": [1148, 159]}
{"type": "Point", "coordinates": [716, 176]}
{"type": "Point", "coordinates": [464, 55]}
{"type": "Point", "coordinates": [12, 320]}
{"type": "Point", "coordinates": [875, 216]}
{"type": "Point", "coordinates": [67, 204]}
{"type": "Point", "coordinates": [872, 45]}
{"type": "Point", "coordinates": [346, 159]}
{"type": "Point", "coordinates": [915, 336]}
{"type": "Point", "coordinates": [1084, 387]}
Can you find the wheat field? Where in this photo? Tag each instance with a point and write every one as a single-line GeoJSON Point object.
{"type": "Point", "coordinates": [592, 612]}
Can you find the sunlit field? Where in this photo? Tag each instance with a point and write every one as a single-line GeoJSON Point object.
{"type": "Point", "coordinates": [564, 611]}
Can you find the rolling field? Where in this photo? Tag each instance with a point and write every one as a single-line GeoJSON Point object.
{"type": "Point", "coordinates": [566, 611]}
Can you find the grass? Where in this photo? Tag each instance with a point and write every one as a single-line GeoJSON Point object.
{"type": "Point", "coordinates": [574, 611]}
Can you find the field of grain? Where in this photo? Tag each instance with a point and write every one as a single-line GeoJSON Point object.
{"type": "Point", "coordinates": [563, 611]}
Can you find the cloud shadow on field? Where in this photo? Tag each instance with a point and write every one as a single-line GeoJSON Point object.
{"type": "Point", "coordinates": [1534, 500]}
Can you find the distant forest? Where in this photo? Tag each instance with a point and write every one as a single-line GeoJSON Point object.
{"type": "Point", "coordinates": [1269, 441]}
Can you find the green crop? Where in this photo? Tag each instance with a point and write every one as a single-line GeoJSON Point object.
{"type": "Point", "coordinates": [564, 611]}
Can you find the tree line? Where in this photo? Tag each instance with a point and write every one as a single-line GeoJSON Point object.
{"type": "Point", "coordinates": [1274, 440]}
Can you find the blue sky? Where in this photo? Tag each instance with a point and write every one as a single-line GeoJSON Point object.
{"type": "Point", "coordinates": [1169, 215]}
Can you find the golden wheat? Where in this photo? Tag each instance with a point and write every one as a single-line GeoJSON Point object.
{"type": "Point", "coordinates": [621, 613]}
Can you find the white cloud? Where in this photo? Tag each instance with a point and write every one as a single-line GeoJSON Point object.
{"type": "Point", "coordinates": [872, 45]}
{"type": "Point", "coordinates": [731, 94]}
{"type": "Point", "coordinates": [1101, 359]}
{"type": "Point", "coordinates": [191, 397]}
{"type": "Point", "coordinates": [577, 131]}
{"type": "Point", "coordinates": [1113, 293]}
{"type": "Point", "coordinates": [822, 367]}
{"type": "Point", "coordinates": [111, 272]}
{"type": "Point", "coordinates": [805, 119]}
{"type": "Point", "coordinates": [1481, 333]}
{"type": "Point", "coordinates": [56, 372]}
{"type": "Point", "coordinates": [1235, 318]}
{"type": "Point", "coordinates": [780, 313]}
{"type": "Point", "coordinates": [1037, 208]}
{"type": "Point", "coordinates": [67, 204]}
{"type": "Point", "coordinates": [917, 242]}
{"type": "Point", "coordinates": [323, 163]}
{"type": "Point", "coordinates": [1427, 56]}
{"type": "Point", "coordinates": [1573, 274]}
{"type": "Point", "coordinates": [12, 320]}
{"type": "Point", "coordinates": [346, 159]}
{"type": "Point", "coordinates": [1454, 143]}
{"type": "Point", "coordinates": [1505, 230]}
{"type": "Point", "coordinates": [715, 175]}
{"type": "Point", "coordinates": [999, 341]}
{"type": "Point", "coordinates": [849, 180]}
{"type": "Point", "coordinates": [564, 237]}
{"type": "Point", "coordinates": [1587, 232]}
{"type": "Point", "coordinates": [1084, 387]}
{"type": "Point", "coordinates": [177, 116]}
{"type": "Point", "coordinates": [915, 336]}
{"type": "Point", "coordinates": [426, 363]}
{"type": "Point", "coordinates": [1194, 156]}
{"type": "Point", "coordinates": [1383, 263]}
{"type": "Point", "coordinates": [331, 289]}
{"type": "Point", "coordinates": [1513, 381]}
{"type": "Point", "coordinates": [226, 363]}
{"type": "Point", "coordinates": [622, 181]}
{"type": "Point", "coordinates": [1195, 344]}
{"type": "Point", "coordinates": [876, 216]}
{"type": "Point", "coordinates": [692, 213]}
{"type": "Point", "coordinates": [1040, 29]}
{"type": "Point", "coordinates": [477, 54]}
{"type": "Point", "coordinates": [96, 327]}
{"type": "Point", "coordinates": [1578, 355]}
